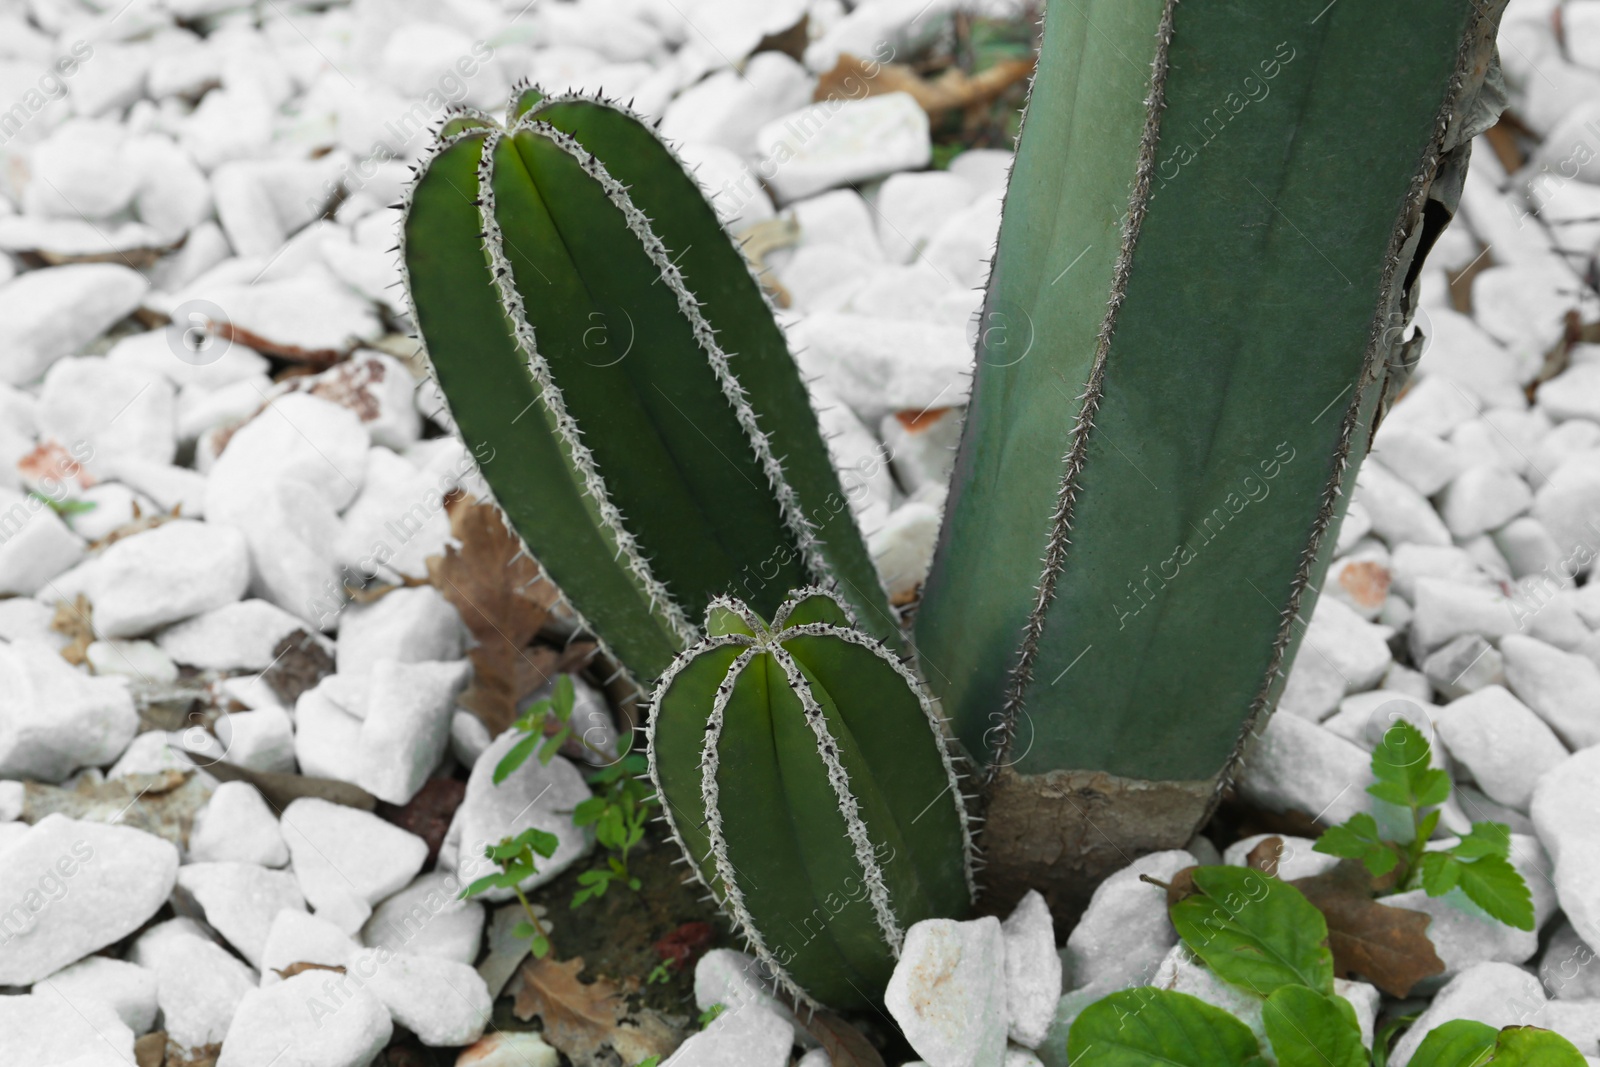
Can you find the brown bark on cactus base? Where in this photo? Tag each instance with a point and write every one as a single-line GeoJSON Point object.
{"type": "Point", "coordinates": [1064, 832]}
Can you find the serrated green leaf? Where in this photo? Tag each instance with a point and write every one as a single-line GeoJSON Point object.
{"type": "Point", "coordinates": [540, 841]}
{"type": "Point", "coordinates": [1458, 1043]}
{"type": "Point", "coordinates": [1145, 1026]}
{"type": "Point", "coordinates": [1254, 931]}
{"type": "Point", "coordinates": [1440, 872]}
{"type": "Point", "coordinates": [1401, 763]}
{"type": "Point", "coordinates": [564, 697]}
{"type": "Point", "coordinates": [1311, 1029]}
{"type": "Point", "coordinates": [1357, 838]}
{"type": "Point", "coordinates": [481, 885]}
{"type": "Point", "coordinates": [1529, 1046]}
{"type": "Point", "coordinates": [1495, 886]}
{"type": "Point", "coordinates": [588, 811]}
{"type": "Point", "coordinates": [1429, 823]}
{"type": "Point", "coordinates": [1485, 839]}
{"type": "Point", "coordinates": [515, 758]}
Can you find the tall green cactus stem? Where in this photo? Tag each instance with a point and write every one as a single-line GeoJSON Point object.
{"type": "Point", "coordinates": [805, 774]}
{"type": "Point", "coordinates": [607, 355]}
{"type": "Point", "coordinates": [1206, 265]}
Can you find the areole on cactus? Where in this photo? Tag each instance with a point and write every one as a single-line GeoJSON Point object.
{"type": "Point", "coordinates": [805, 773]}
{"type": "Point", "coordinates": [603, 348]}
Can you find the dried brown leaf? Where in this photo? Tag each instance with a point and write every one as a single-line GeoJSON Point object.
{"type": "Point", "coordinates": [75, 619]}
{"type": "Point", "coordinates": [845, 1045]}
{"type": "Point", "coordinates": [301, 966]}
{"type": "Point", "coordinates": [582, 1019]}
{"type": "Point", "coordinates": [852, 79]}
{"type": "Point", "coordinates": [504, 601]}
{"type": "Point", "coordinates": [1387, 946]}
{"type": "Point", "coordinates": [1265, 856]}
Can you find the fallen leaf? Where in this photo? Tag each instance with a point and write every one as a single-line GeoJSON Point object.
{"type": "Point", "coordinates": [504, 600]}
{"type": "Point", "coordinates": [852, 79]}
{"type": "Point", "coordinates": [301, 966]}
{"type": "Point", "coordinates": [845, 1045]}
{"type": "Point", "coordinates": [299, 662]}
{"type": "Point", "coordinates": [1387, 946]}
{"type": "Point", "coordinates": [582, 1019]}
{"type": "Point", "coordinates": [1265, 856]}
{"type": "Point", "coordinates": [151, 1049]}
{"type": "Point", "coordinates": [685, 944]}
{"type": "Point", "coordinates": [75, 619]}
{"type": "Point", "coordinates": [1181, 887]}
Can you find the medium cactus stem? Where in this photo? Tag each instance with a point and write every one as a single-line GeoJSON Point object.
{"type": "Point", "coordinates": [822, 777]}
{"type": "Point", "coordinates": [601, 370]}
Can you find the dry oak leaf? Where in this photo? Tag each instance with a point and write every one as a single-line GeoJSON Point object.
{"type": "Point", "coordinates": [1265, 856]}
{"type": "Point", "coordinates": [852, 79]}
{"type": "Point", "coordinates": [581, 1019]}
{"type": "Point", "coordinates": [504, 601]}
{"type": "Point", "coordinates": [1387, 946]}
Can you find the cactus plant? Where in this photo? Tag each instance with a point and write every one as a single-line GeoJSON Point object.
{"type": "Point", "coordinates": [605, 351]}
{"type": "Point", "coordinates": [1197, 311]}
{"type": "Point", "coordinates": [805, 775]}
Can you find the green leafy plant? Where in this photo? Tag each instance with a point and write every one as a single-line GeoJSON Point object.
{"type": "Point", "coordinates": [804, 773]}
{"type": "Point", "coordinates": [64, 508]}
{"type": "Point", "coordinates": [618, 814]}
{"type": "Point", "coordinates": [1263, 937]}
{"type": "Point", "coordinates": [1414, 790]}
{"type": "Point", "coordinates": [516, 858]}
{"type": "Point", "coordinates": [558, 705]}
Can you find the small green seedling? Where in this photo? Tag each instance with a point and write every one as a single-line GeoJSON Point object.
{"type": "Point", "coordinates": [1263, 937]}
{"type": "Point", "coordinates": [709, 1016]}
{"type": "Point", "coordinates": [515, 858]}
{"type": "Point", "coordinates": [64, 508]}
{"type": "Point", "coordinates": [1413, 791]}
{"type": "Point", "coordinates": [618, 814]}
{"type": "Point", "coordinates": [559, 704]}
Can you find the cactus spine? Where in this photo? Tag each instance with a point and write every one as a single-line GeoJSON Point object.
{"type": "Point", "coordinates": [607, 356]}
{"type": "Point", "coordinates": [805, 774]}
{"type": "Point", "coordinates": [1205, 268]}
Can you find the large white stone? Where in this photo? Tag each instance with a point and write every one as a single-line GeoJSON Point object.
{"type": "Point", "coordinates": [428, 918]}
{"type": "Point", "coordinates": [325, 736]}
{"type": "Point", "coordinates": [48, 1028]}
{"type": "Point", "coordinates": [1563, 814]}
{"type": "Point", "coordinates": [728, 107]}
{"type": "Point", "coordinates": [510, 1048]}
{"type": "Point", "coordinates": [300, 436]}
{"type": "Point", "coordinates": [912, 205]}
{"type": "Point", "coordinates": [881, 365]}
{"type": "Point", "coordinates": [1483, 498]}
{"type": "Point", "coordinates": [841, 141]}
{"type": "Point", "coordinates": [1464, 665]}
{"type": "Point", "coordinates": [262, 739]}
{"type": "Point", "coordinates": [1400, 514]}
{"type": "Point", "coordinates": [1297, 765]}
{"type": "Point", "coordinates": [50, 313]}
{"type": "Point", "coordinates": [199, 984]}
{"type": "Point", "coordinates": [1573, 394]}
{"type": "Point", "coordinates": [1033, 970]}
{"type": "Point", "coordinates": [300, 937]}
{"type": "Point", "coordinates": [238, 636]}
{"type": "Point", "coordinates": [1567, 968]}
{"type": "Point", "coordinates": [948, 991]}
{"type": "Point", "coordinates": [315, 1019]}
{"type": "Point", "coordinates": [347, 859]}
{"type": "Point", "coordinates": [293, 533]}
{"type": "Point", "coordinates": [117, 411]}
{"type": "Point", "coordinates": [54, 718]}
{"type": "Point", "coordinates": [751, 1037]}
{"type": "Point", "coordinates": [1502, 742]}
{"type": "Point", "coordinates": [407, 728]}
{"type": "Point", "coordinates": [239, 900]}
{"type": "Point", "coordinates": [1419, 458]}
{"type": "Point", "coordinates": [38, 545]}
{"type": "Point", "coordinates": [537, 794]}
{"type": "Point", "coordinates": [1564, 688]}
{"type": "Point", "coordinates": [409, 625]}
{"type": "Point", "coordinates": [128, 988]}
{"type": "Point", "coordinates": [1447, 609]}
{"type": "Point", "coordinates": [1124, 932]}
{"type": "Point", "coordinates": [166, 574]}
{"type": "Point", "coordinates": [237, 826]}
{"type": "Point", "coordinates": [1496, 994]}
{"type": "Point", "coordinates": [443, 1002]}
{"type": "Point", "coordinates": [397, 522]}
{"type": "Point", "coordinates": [738, 981]}
{"type": "Point", "coordinates": [377, 388]}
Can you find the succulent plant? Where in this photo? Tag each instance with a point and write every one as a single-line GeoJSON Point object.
{"type": "Point", "coordinates": [605, 351]}
{"type": "Point", "coordinates": [1198, 309]}
{"type": "Point", "coordinates": [805, 773]}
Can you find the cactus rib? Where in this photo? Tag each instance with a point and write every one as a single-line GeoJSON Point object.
{"type": "Point", "coordinates": [594, 484]}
